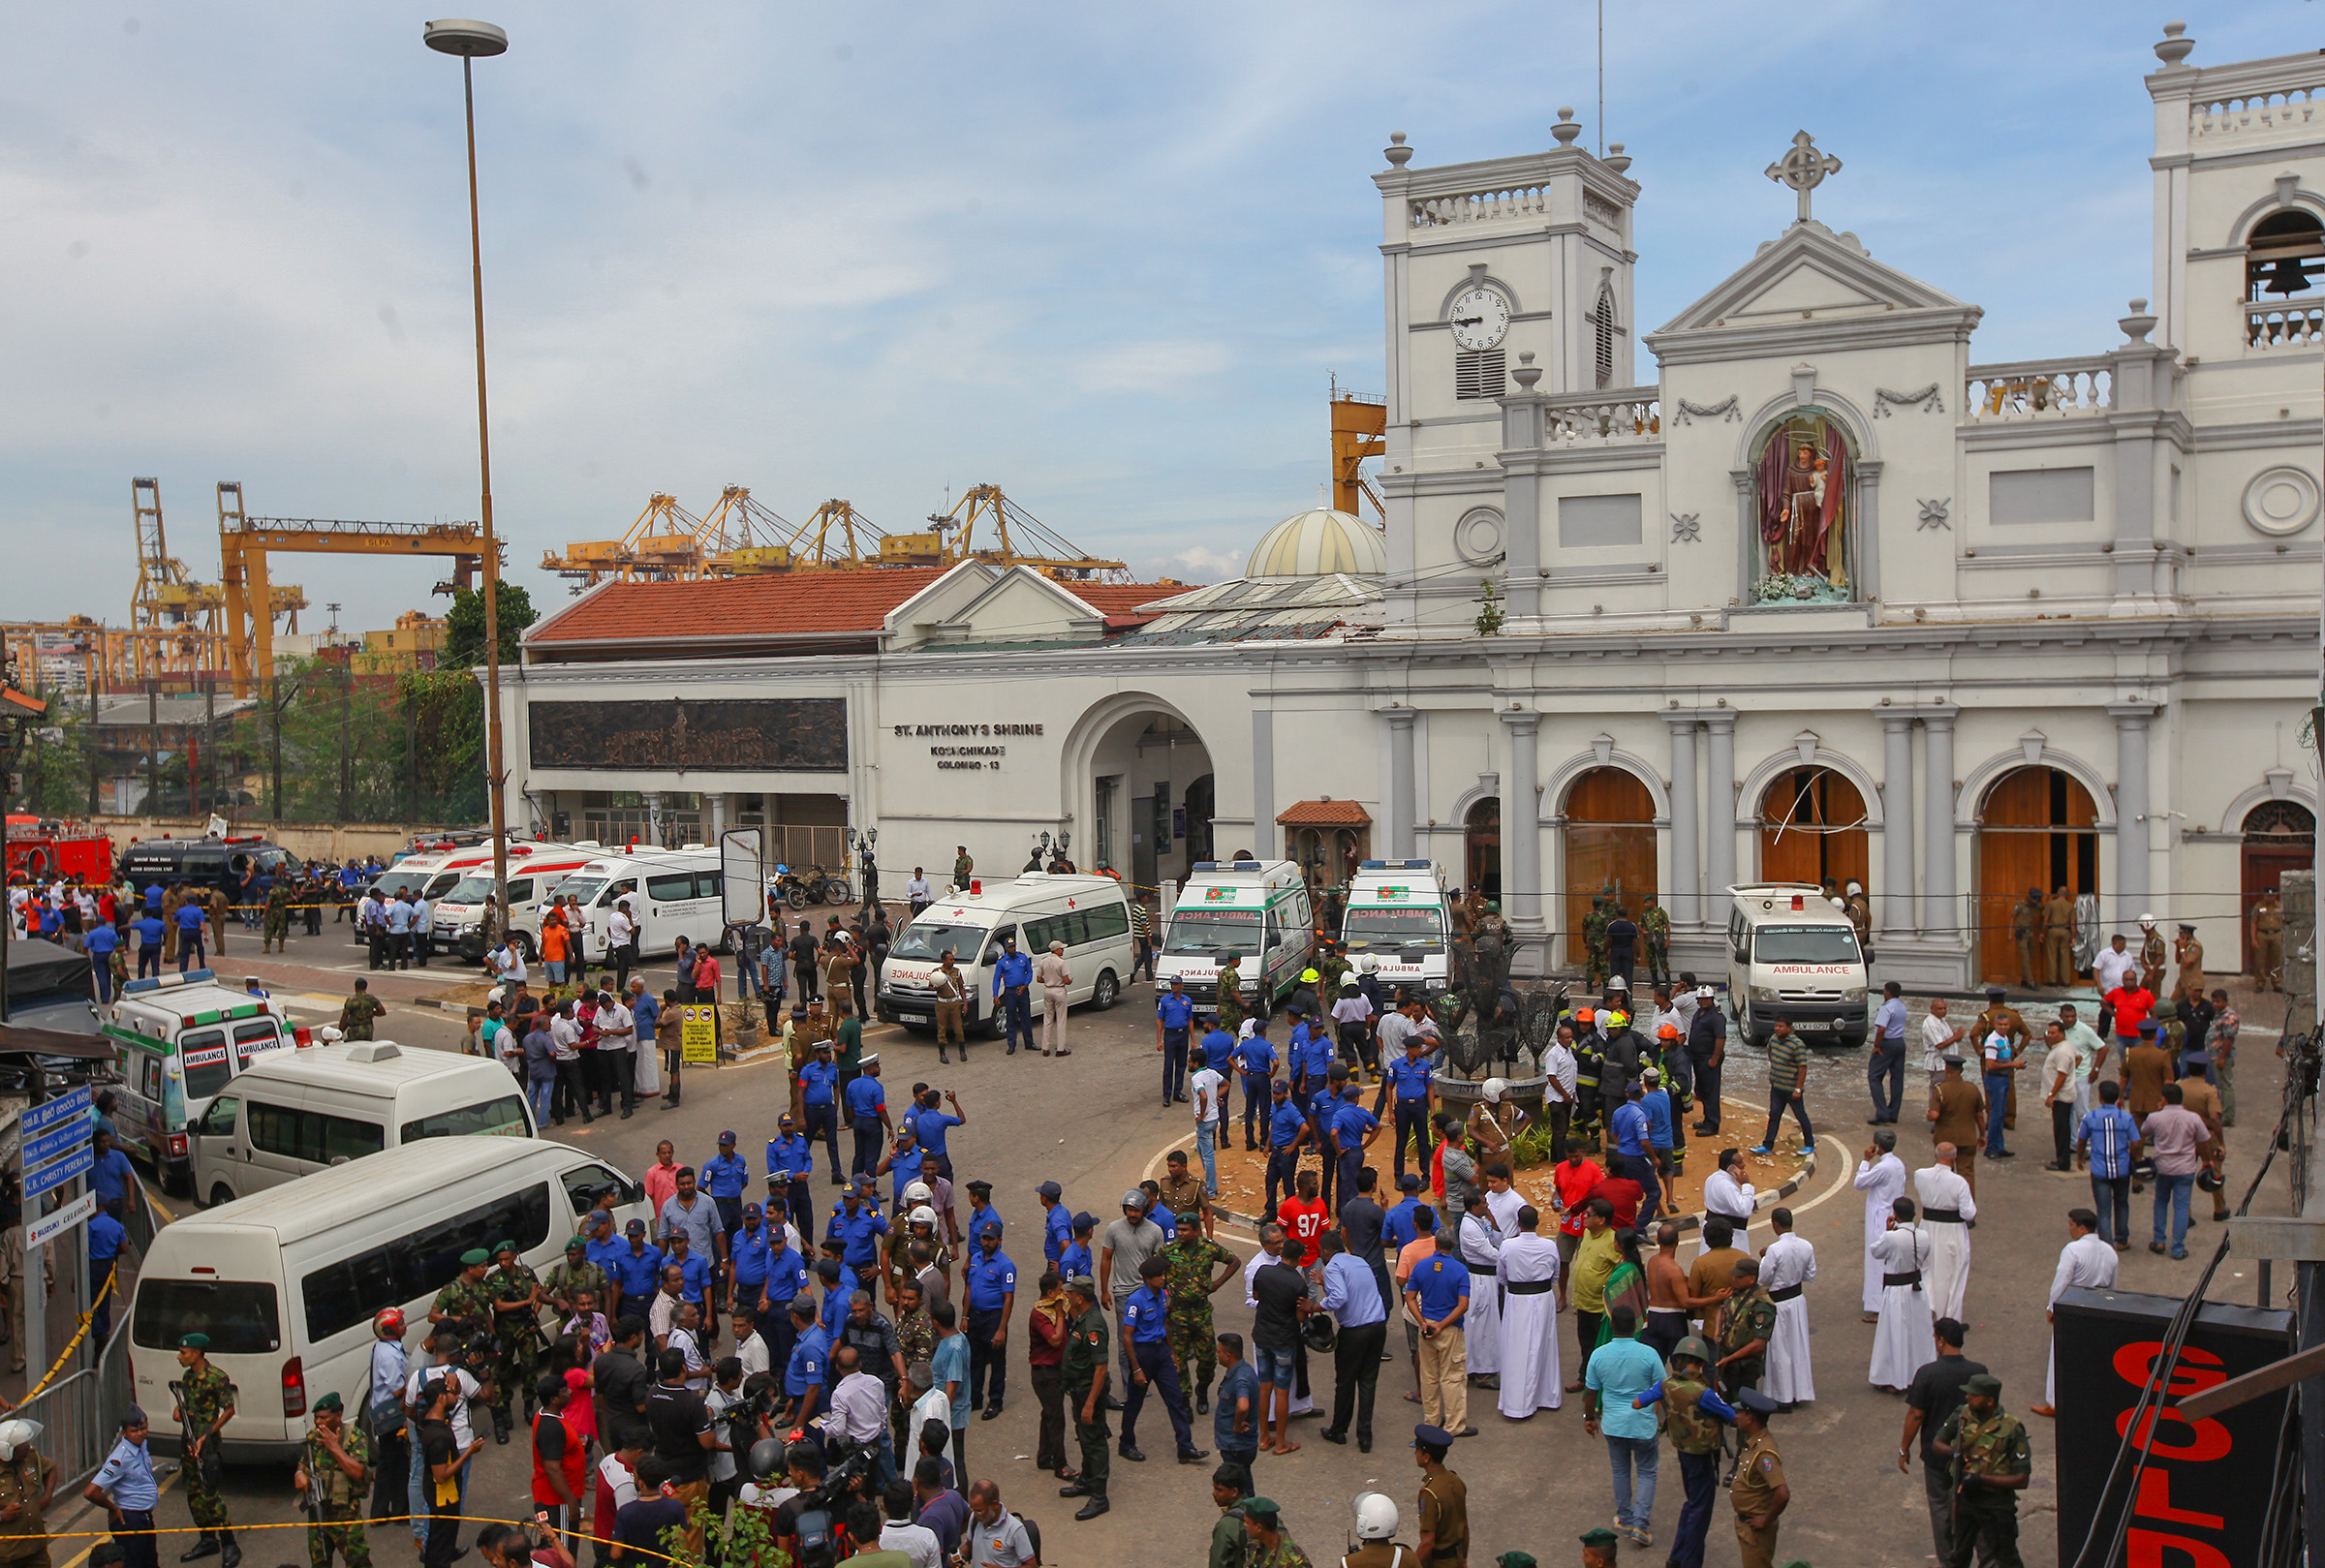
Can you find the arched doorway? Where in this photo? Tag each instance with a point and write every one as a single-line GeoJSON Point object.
{"type": "Point", "coordinates": [1609, 847]}
{"type": "Point", "coordinates": [1151, 794]}
{"type": "Point", "coordinates": [1481, 848]}
{"type": "Point", "coordinates": [1200, 800]}
{"type": "Point", "coordinates": [2036, 829]}
{"type": "Point", "coordinates": [1813, 827]}
{"type": "Point", "coordinates": [2280, 836]}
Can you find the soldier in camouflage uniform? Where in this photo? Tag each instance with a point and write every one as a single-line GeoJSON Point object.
{"type": "Point", "coordinates": [464, 1305]}
{"type": "Point", "coordinates": [205, 1403]}
{"type": "Point", "coordinates": [1192, 1339]}
{"type": "Point", "coordinates": [356, 1014]}
{"type": "Point", "coordinates": [332, 1470]}
{"type": "Point", "coordinates": [1990, 1465]}
{"type": "Point", "coordinates": [1593, 942]}
{"type": "Point", "coordinates": [515, 1294]}
{"type": "Point", "coordinates": [1655, 922]}
{"type": "Point", "coordinates": [1332, 971]}
{"type": "Point", "coordinates": [1747, 1320]}
{"type": "Point", "coordinates": [1230, 993]}
{"type": "Point", "coordinates": [576, 1275]}
{"type": "Point", "coordinates": [278, 914]}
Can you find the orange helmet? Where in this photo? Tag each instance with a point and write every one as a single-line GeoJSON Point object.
{"type": "Point", "coordinates": [1585, 1015]}
{"type": "Point", "coordinates": [1669, 1031]}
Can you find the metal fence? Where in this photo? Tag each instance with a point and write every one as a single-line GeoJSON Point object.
{"type": "Point", "coordinates": [81, 1415]}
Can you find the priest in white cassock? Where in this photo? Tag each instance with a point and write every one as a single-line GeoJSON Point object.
{"type": "Point", "coordinates": [1271, 1250]}
{"type": "Point", "coordinates": [2086, 1262]}
{"type": "Point", "coordinates": [1947, 1207]}
{"type": "Point", "coordinates": [1785, 1269]}
{"type": "Point", "coordinates": [1728, 1196]}
{"type": "Point", "coordinates": [1480, 1249]}
{"type": "Point", "coordinates": [1528, 1268]}
{"type": "Point", "coordinates": [1881, 1178]}
{"type": "Point", "coordinates": [1907, 1340]}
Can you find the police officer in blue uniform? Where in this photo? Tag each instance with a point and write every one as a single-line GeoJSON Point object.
{"type": "Point", "coordinates": [1257, 1058]}
{"type": "Point", "coordinates": [868, 1115]}
{"type": "Point", "coordinates": [1010, 998]}
{"type": "Point", "coordinates": [1287, 1130]}
{"type": "Point", "coordinates": [1145, 1323]}
{"type": "Point", "coordinates": [820, 1102]}
{"type": "Point", "coordinates": [725, 1175]}
{"type": "Point", "coordinates": [990, 1281]}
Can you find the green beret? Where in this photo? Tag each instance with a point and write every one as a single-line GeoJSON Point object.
{"type": "Point", "coordinates": [1262, 1509]}
{"type": "Point", "coordinates": [1597, 1538]}
{"type": "Point", "coordinates": [194, 1341]}
{"type": "Point", "coordinates": [577, 1245]}
{"type": "Point", "coordinates": [1515, 1559]}
{"type": "Point", "coordinates": [499, 1247]}
{"type": "Point", "coordinates": [473, 1256]}
{"type": "Point", "coordinates": [1190, 1216]}
{"type": "Point", "coordinates": [330, 1402]}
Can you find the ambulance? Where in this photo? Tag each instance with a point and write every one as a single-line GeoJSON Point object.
{"type": "Point", "coordinates": [1089, 913]}
{"type": "Point", "coordinates": [1792, 954]}
{"type": "Point", "coordinates": [1257, 910]}
{"type": "Point", "coordinates": [672, 893]}
{"type": "Point", "coordinates": [178, 1041]}
{"type": "Point", "coordinates": [535, 871]}
{"type": "Point", "coordinates": [1396, 914]}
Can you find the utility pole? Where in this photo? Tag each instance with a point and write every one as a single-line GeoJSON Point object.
{"type": "Point", "coordinates": [347, 719]}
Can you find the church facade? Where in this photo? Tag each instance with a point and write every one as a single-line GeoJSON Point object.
{"type": "Point", "coordinates": [1827, 599]}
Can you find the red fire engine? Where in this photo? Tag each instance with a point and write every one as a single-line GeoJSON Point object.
{"type": "Point", "coordinates": [43, 847]}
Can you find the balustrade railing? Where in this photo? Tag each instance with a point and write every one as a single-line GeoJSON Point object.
{"type": "Point", "coordinates": [1477, 206]}
{"type": "Point", "coordinates": [2284, 326]}
{"type": "Point", "coordinates": [1617, 413]}
{"type": "Point", "coordinates": [2040, 389]}
{"type": "Point", "coordinates": [2284, 110]}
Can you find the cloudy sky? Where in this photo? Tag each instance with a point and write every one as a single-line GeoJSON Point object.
{"type": "Point", "coordinates": [1106, 257]}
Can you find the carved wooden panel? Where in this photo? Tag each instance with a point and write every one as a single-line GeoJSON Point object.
{"type": "Point", "coordinates": [725, 735]}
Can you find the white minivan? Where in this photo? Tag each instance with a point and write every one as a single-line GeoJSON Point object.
{"type": "Point", "coordinates": [1793, 954]}
{"type": "Point", "coordinates": [535, 871]}
{"type": "Point", "coordinates": [672, 893]}
{"type": "Point", "coordinates": [286, 1284]}
{"type": "Point", "coordinates": [1089, 913]}
{"type": "Point", "coordinates": [1255, 910]}
{"type": "Point", "coordinates": [294, 1113]}
{"type": "Point", "coordinates": [1397, 915]}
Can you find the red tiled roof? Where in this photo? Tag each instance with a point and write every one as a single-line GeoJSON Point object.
{"type": "Point", "coordinates": [1324, 814]}
{"type": "Point", "coordinates": [807, 604]}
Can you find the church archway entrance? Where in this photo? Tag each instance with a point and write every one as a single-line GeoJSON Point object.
{"type": "Point", "coordinates": [2038, 828]}
{"type": "Point", "coordinates": [1813, 828]}
{"type": "Point", "coordinates": [1609, 840]}
{"type": "Point", "coordinates": [1152, 796]}
{"type": "Point", "coordinates": [2280, 836]}
{"type": "Point", "coordinates": [1481, 848]}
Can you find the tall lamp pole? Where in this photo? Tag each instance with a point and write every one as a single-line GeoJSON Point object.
{"type": "Point", "coordinates": [471, 41]}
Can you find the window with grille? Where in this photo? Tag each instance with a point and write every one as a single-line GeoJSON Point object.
{"type": "Point", "coordinates": [1602, 320]}
{"type": "Point", "coordinates": [1478, 374]}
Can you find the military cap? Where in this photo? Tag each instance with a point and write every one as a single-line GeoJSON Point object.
{"type": "Point", "coordinates": [979, 1186]}
{"type": "Point", "coordinates": [2197, 1058]}
{"type": "Point", "coordinates": [1984, 1383]}
{"type": "Point", "coordinates": [1085, 1284]}
{"type": "Point", "coordinates": [2146, 1025]}
{"type": "Point", "coordinates": [1515, 1559]}
{"type": "Point", "coordinates": [575, 1244]}
{"type": "Point", "coordinates": [1598, 1538]}
{"type": "Point", "coordinates": [778, 1178]}
{"type": "Point", "coordinates": [194, 1341]}
{"type": "Point", "coordinates": [2185, 926]}
{"type": "Point", "coordinates": [473, 1256]}
{"type": "Point", "coordinates": [1993, 992]}
{"type": "Point", "coordinates": [1758, 1404]}
{"type": "Point", "coordinates": [1953, 1060]}
{"type": "Point", "coordinates": [498, 1248]}
{"type": "Point", "coordinates": [1262, 1509]}
{"type": "Point", "coordinates": [330, 1402]}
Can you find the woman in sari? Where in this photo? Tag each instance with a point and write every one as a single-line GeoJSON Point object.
{"type": "Point", "coordinates": [1627, 1286]}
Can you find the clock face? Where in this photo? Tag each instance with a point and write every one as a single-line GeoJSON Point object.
{"type": "Point", "coordinates": [1480, 319]}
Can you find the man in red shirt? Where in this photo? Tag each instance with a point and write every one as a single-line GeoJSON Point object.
{"type": "Point", "coordinates": [2132, 1002]}
{"type": "Point", "coordinates": [1576, 1178]}
{"type": "Point", "coordinates": [1305, 1217]}
{"type": "Point", "coordinates": [1624, 1196]}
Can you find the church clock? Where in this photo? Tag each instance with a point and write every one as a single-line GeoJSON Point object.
{"type": "Point", "coordinates": [1480, 319]}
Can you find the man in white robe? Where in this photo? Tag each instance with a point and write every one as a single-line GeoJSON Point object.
{"type": "Point", "coordinates": [1528, 1269]}
{"type": "Point", "coordinates": [1728, 1196]}
{"type": "Point", "coordinates": [1947, 1207]}
{"type": "Point", "coordinates": [1881, 1178]}
{"type": "Point", "coordinates": [1787, 1266]}
{"type": "Point", "coordinates": [1906, 1342]}
{"type": "Point", "coordinates": [2086, 1262]}
{"type": "Point", "coordinates": [1481, 1250]}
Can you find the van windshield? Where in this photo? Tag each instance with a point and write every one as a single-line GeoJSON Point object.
{"type": "Point", "coordinates": [581, 890]}
{"type": "Point", "coordinates": [441, 883]}
{"type": "Point", "coordinates": [1214, 931]}
{"type": "Point", "coordinates": [400, 881]}
{"type": "Point", "coordinates": [201, 1057]}
{"type": "Point", "coordinates": [472, 890]}
{"type": "Point", "coordinates": [240, 1319]}
{"type": "Point", "coordinates": [1804, 945]}
{"type": "Point", "coordinates": [1395, 927]}
{"type": "Point", "coordinates": [931, 940]}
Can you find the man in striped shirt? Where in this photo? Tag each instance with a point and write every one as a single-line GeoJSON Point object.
{"type": "Point", "coordinates": [1145, 953]}
{"type": "Point", "coordinates": [2109, 1138]}
{"type": "Point", "coordinates": [1787, 1086]}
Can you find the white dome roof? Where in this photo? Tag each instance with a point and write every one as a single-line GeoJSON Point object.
{"type": "Point", "coordinates": [1316, 543]}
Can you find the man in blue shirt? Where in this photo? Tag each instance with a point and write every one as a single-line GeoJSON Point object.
{"type": "Point", "coordinates": [1352, 1294]}
{"type": "Point", "coordinates": [99, 942]}
{"type": "Point", "coordinates": [1411, 1077]}
{"type": "Point", "coordinates": [903, 1162]}
{"type": "Point", "coordinates": [1353, 1130]}
{"type": "Point", "coordinates": [1618, 1372]}
{"type": "Point", "coordinates": [868, 1115]}
{"type": "Point", "coordinates": [191, 917]}
{"type": "Point", "coordinates": [1057, 1223]}
{"type": "Point", "coordinates": [1287, 1130]}
{"type": "Point", "coordinates": [982, 1212]}
{"type": "Point", "coordinates": [637, 1267]}
{"type": "Point", "coordinates": [1629, 1126]}
{"type": "Point", "coordinates": [931, 1126]}
{"type": "Point", "coordinates": [1174, 1016]}
{"type": "Point", "coordinates": [106, 1237]}
{"type": "Point", "coordinates": [725, 1175]}
{"type": "Point", "coordinates": [149, 930]}
{"type": "Point", "coordinates": [838, 1287]}
{"type": "Point", "coordinates": [153, 895]}
{"type": "Point", "coordinates": [124, 1485]}
{"type": "Point", "coordinates": [112, 1175]}
{"type": "Point", "coordinates": [2106, 1138]}
{"type": "Point", "coordinates": [819, 1099]}
{"type": "Point", "coordinates": [1010, 998]}
{"type": "Point", "coordinates": [1662, 1130]}
{"type": "Point", "coordinates": [1437, 1293]}
{"type": "Point", "coordinates": [1397, 1228]}
{"type": "Point", "coordinates": [989, 1285]}
{"type": "Point", "coordinates": [1077, 1260]}
{"type": "Point", "coordinates": [1218, 1051]}
{"type": "Point", "coordinates": [1312, 1055]}
{"type": "Point", "coordinates": [857, 1224]}
{"type": "Point", "coordinates": [1885, 1069]}
{"type": "Point", "coordinates": [1257, 1056]}
{"type": "Point", "coordinates": [696, 1274]}
{"type": "Point", "coordinates": [787, 1279]}
{"type": "Point", "coordinates": [791, 1155]}
{"type": "Point", "coordinates": [1145, 1312]}
{"type": "Point", "coordinates": [810, 1360]}
{"type": "Point", "coordinates": [747, 1253]}
{"type": "Point", "coordinates": [1323, 1106]}
{"type": "Point", "coordinates": [1235, 1418]}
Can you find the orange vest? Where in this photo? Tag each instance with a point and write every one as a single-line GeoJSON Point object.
{"type": "Point", "coordinates": [573, 1467]}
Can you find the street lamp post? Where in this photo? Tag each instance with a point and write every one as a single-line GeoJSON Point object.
{"type": "Point", "coordinates": [471, 41]}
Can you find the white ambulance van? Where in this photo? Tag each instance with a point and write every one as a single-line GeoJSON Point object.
{"type": "Point", "coordinates": [1396, 914]}
{"type": "Point", "coordinates": [1090, 914]}
{"type": "Point", "coordinates": [535, 871]}
{"type": "Point", "coordinates": [1792, 954]}
{"type": "Point", "coordinates": [672, 893]}
{"type": "Point", "coordinates": [1257, 910]}
{"type": "Point", "coordinates": [178, 1041]}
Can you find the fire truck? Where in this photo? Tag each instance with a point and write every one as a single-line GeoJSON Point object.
{"type": "Point", "coordinates": [43, 847]}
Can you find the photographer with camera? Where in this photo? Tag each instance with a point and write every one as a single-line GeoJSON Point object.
{"type": "Point", "coordinates": [512, 1545]}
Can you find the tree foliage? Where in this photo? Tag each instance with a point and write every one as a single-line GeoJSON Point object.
{"type": "Point", "coordinates": [464, 625]}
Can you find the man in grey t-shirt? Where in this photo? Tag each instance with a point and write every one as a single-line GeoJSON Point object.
{"type": "Point", "coordinates": [1129, 1242]}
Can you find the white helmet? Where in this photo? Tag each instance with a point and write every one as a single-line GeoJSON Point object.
{"type": "Point", "coordinates": [331, 1034]}
{"type": "Point", "coordinates": [922, 1215]}
{"type": "Point", "coordinates": [917, 1194]}
{"type": "Point", "coordinates": [1375, 1517]}
{"type": "Point", "coordinates": [1495, 1089]}
{"type": "Point", "coordinates": [15, 1434]}
{"type": "Point", "coordinates": [1616, 982]}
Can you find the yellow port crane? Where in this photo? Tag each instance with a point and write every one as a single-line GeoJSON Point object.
{"type": "Point", "coordinates": [951, 538]}
{"type": "Point", "coordinates": [747, 539]}
{"type": "Point", "coordinates": [173, 625]}
{"type": "Point", "coordinates": [1359, 430]}
{"type": "Point", "coordinates": [244, 543]}
{"type": "Point", "coordinates": [667, 544]}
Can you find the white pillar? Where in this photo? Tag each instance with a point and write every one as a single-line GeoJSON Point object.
{"type": "Point", "coordinates": [2131, 817]}
{"type": "Point", "coordinates": [1401, 811]}
{"type": "Point", "coordinates": [1937, 799]}
{"type": "Point", "coordinates": [1685, 901]}
{"type": "Point", "coordinates": [1720, 808]}
{"type": "Point", "coordinates": [1522, 825]}
{"type": "Point", "coordinates": [1897, 824]}
{"type": "Point", "coordinates": [1264, 831]}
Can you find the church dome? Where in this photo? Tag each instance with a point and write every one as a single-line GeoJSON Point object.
{"type": "Point", "coordinates": [1316, 543]}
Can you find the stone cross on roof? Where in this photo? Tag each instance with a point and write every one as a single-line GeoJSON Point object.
{"type": "Point", "coordinates": [1804, 169]}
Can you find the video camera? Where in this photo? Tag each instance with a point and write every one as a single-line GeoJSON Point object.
{"type": "Point", "coordinates": [820, 1508]}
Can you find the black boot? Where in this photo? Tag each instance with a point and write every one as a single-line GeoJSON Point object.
{"type": "Point", "coordinates": [204, 1545]}
{"type": "Point", "coordinates": [1093, 1508]}
{"type": "Point", "coordinates": [1202, 1397]}
{"type": "Point", "coordinates": [500, 1424]}
{"type": "Point", "coordinates": [232, 1555]}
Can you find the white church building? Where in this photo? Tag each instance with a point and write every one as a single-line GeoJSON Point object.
{"type": "Point", "coordinates": [1824, 598]}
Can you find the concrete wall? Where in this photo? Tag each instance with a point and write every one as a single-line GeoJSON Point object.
{"type": "Point", "coordinates": [327, 840]}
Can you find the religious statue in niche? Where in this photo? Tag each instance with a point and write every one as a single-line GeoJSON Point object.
{"type": "Point", "coordinates": [1803, 475]}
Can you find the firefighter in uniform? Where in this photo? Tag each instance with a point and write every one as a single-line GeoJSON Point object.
{"type": "Point", "coordinates": [1590, 1061]}
{"type": "Point", "coordinates": [1759, 1492]}
{"type": "Point", "coordinates": [357, 1012]}
{"type": "Point", "coordinates": [2059, 938]}
{"type": "Point", "coordinates": [332, 1471]}
{"type": "Point", "coordinates": [1192, 1284]}
{"type": "Point", "coordinates": [2000, 1016]}
{"type": "Point", "coordinates": [205, 1403]}
{"type": "Point", "coordinates": [278, 914]}
{"type": "Point", "coordinates": [1655, 922]}
{"type": "Point", "coordinates": [2268, 943]}
{"type": "Point", "coordinates": [1593, 942]}
{"type": "Point", "coordinates": [1990, 1464]}
{"type": "Point", "coordinates": [1230, 993]}
{"type": "Point", "coordinates": [513, 1291]}
{"type": "Point", "coordinates": [1085, 1365]}
{"type": "Point", "coordinates": [2026, 926]}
